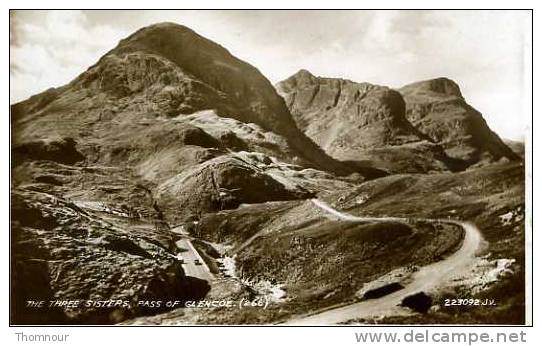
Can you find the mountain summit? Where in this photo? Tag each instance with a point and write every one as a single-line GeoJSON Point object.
{"type": "Point", "coordinates": [441, 86]}
{"type": "Point", "coordinates": [195, 72]}
{"type": "Point", "coordinates": [424, 126]}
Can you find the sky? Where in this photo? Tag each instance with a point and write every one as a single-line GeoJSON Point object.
{"type": "Point", "coordinates": [486, 52]}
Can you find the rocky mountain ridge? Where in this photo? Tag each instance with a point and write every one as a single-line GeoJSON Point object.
{"type": "Point", "coordinates": [437, 108]}
{"type": "Point", "coordinates": [360, 122]}
{"type": "Point", "coordinates": [428, 126]}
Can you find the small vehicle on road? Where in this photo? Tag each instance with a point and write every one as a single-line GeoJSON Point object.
{"type": "Point", "coordinates": [197, 262]}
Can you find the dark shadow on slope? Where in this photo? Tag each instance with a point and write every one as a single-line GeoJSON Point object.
{"type": "Point", "coordinates": [30, 281]}
{"type": "Point", "coordinates": [366, 171]}
{"type": "Point", "coordinates": [383, 291]}
{"type": "Point", "coordinates": [61, 151]}
{"type": "Point", "coordinates": [419, 302]}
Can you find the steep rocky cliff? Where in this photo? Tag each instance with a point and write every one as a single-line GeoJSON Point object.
{"type": "Point", "coordinates": [437, 108]}
{"type": "Point", "coordinates": [359, 122]}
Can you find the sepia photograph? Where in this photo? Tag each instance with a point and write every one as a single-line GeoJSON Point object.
{"type": "Point", "coordinates": [270, 167]}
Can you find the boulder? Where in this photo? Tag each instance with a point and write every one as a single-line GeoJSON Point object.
{"type": "Point", "coordinates": [221, 183]}
{"type": "Point", "coordinates": [58, 150]}
{"type": "Point", "coordinates": [419, 302]}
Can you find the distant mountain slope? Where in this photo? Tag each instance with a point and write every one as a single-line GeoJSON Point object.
{"type": "Point", "coordinates": [437, 108]}
{"type": "Point", "coordinates": [359, 122]}
{"type": "Point", "coordinates": [517, 147]}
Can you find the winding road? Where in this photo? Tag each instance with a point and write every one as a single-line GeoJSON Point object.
{"type": "Point", "coordinates": [427, 278]}
{"type": "Point", "coordinates": [193, 265]}
{"type": "Point", "coordinates": [191, 256]}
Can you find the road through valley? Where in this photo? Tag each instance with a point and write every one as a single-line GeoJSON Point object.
{"type": "Point", "coordinates": [427, 278]}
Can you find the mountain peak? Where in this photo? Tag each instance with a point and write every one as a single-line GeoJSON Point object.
{"type": "Point", "coordinates": [300, 78]}
{"type": "Point", "coordinates": [441, 85]}
{"type": "Point", "coordinates": [170, 40]}
{"type": "Point", "coordinates": [163, 26]}
{"type": "Point", "coordinates": [302, 73]}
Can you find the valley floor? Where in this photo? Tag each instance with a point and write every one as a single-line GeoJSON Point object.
{"type": "Point", "coordinates": [390, 250]}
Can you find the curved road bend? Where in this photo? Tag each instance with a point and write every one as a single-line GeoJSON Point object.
{"type": "Point", "coordinates": [425, 279]}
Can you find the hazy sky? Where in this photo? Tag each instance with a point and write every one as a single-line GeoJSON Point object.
{"type": "Point", "coordinates": [483, 51]}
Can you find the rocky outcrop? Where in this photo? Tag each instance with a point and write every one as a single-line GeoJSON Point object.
{"type": "Point", "coordinates": [438, 109]}
{"type": "Point", "coordinates": [62, 252]}
{"type": "Point", "coordinates": [60, 150]}
{"type": "Point", "coordinates": [359, 122]}
{"type": "Point", "coordinates": [342, 115]}
{"type": "Point", "coordinates": [222, 183]}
